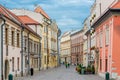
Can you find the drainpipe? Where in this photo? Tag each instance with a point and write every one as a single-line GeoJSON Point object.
{"type": "Point", "coordinates": [2, 47]}
{"type": "Point", "coordinates": [22, 50]}
{"type": "Point", "coordinates": [58, 46]}
{"type": "Point", "coordinates": [28, 54]}
{"type": "Point", "coordinates": [39, 54]}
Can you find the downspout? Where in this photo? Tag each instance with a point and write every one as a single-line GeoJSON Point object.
{"type": "Point", "coordinates": [22, 50]}
{"type": "Point", "coordinates": [58, 51]}
{"type": "Point", "coordinates": [28, 54]}
{"type": "Point", "coordinates": [39, 54]}
{"type": "Point", "coordinates": [58, 46]}
{"type": "Point", "coordinates": [2, 48]}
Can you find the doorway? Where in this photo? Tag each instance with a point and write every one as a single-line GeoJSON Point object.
{"type": "Point", "coordinates": [6, 68]}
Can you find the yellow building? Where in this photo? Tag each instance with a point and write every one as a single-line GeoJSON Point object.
{"type": "Point", "coordinates": [31, 43]}
{"type": "Point", "coordinates": [48, 32]}
{"type": "Point", "coordinates": [53, 40]}
{"type": "Point", "coordinates": [65, 48]}
{"type": "Point", "coordinates": [49, 40]}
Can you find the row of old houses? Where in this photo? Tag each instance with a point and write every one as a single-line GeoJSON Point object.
{"type": "Point", "coordinates": [97, 43]}
{"type": "Point", "coordinates": [28, 39]}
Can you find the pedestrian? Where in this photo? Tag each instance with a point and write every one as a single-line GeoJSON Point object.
{"type": "Point", "coordinates": [32, 71]}
{"type": "Point", "coordinates": [66, 65]}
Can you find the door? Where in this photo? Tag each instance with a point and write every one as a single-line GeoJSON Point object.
{"type": "Point", "coordinates": [6, 68]}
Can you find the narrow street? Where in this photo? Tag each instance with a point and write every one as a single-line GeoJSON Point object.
{"type": "Point", "coordinates": [60, 73]}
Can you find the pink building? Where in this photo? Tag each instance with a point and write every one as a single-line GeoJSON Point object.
{"type": "Point", "coordinates": [107, 29]}
{"type": "Point", "coordinates": [77, 47]}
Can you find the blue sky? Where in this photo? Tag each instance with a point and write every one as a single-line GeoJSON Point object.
{"type": "Point", "coordinates": [69, 14]}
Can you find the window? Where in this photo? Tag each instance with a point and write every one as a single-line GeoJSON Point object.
{"type": "Point", "coordinates": [107, 35]}
{"type": "Point", "coordinates": [25, 45]}
{"type": "Point", "coordinates": [100, 64]}
{"type": "Point", "coordinates": [45, 59]}
{"type": "Point", "coordinates": [6, 36]}
{"type": "Point", "coordinates": [45, 29]}
{"type": "Point", "coordinates": [12, 38]}
{"type": "Point", "coordinates": [37, 49]}
{"type": "Point", "coordinates": [13, 64]}
{"type": "Point", "coordinates": [45, 42]}
{"type": "Point", "coordinates": [26, 61]}
{"type": "Point", "coordinates": [18, 62]}
{"type": "Point", "coordinates": [18, 40]}
{"type": "Point", "coordinates": [101, 33]}
{"type": "Point", "coordinates": [106, 61]}
{"type": "Point", "coordinates": [34, 48]}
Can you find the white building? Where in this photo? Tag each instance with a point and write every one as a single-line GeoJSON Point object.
{"type": "Point", "coordinates": [99, 7]}
{"type": "Point", "coordinates": [65, 48]}
{"type": "Point", "coordinates": [48, 31]}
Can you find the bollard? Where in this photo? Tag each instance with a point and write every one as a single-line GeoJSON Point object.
{"type": "Point", "coordinates": [10, 77]}
{"type": "Point", "coordinates": [107, 76]}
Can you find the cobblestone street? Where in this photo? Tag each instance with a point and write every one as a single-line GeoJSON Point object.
{"type": "Point", "coordinates": [60, 73]}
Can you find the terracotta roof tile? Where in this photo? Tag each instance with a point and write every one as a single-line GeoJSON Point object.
{"type": "Point", "coordinates": [27, 20]}
{"type": "Point", "coordinates": [40, 10]}
{"type": "Point", "coordinates": [14, 18]}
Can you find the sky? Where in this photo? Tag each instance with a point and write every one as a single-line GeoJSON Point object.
{"type": "Point", "coordinates": [68, 14]}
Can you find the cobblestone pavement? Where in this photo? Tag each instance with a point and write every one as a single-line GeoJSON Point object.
{"type": "Point", "coordinates": [60, 73]}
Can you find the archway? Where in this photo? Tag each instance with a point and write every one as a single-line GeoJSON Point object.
{"type": "Point", "coordinates": [6, 68]}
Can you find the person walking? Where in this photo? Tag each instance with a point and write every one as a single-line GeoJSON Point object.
{"type": "Point", "coordinates": [66, 65]}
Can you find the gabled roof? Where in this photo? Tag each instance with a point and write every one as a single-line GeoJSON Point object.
{"type": "Point", "coordinates": [28, 21]}
{"type": "Point", "coordinates": [8, 14]}
{"type": "Point", "coordinates": [41, 11]}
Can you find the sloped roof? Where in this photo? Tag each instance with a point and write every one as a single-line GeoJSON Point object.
{"type": "Point", "coordinates": [41, 11]}
{"type": "Point", "coordinates": [8, 14]}
{"type": "Point", "coordinates": [28, 21]}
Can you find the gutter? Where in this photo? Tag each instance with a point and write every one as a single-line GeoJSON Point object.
{"type": "Point", "coordinates": [28, 53]}
{"type": "Point", "coordinates": [22, 29]}
{"type": "Point", "coordinates": [39, 54]}
{"type": "Point", "coordinates": [2, 46]}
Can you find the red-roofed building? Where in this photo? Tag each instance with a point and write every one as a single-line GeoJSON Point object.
{"type": "Point", "coordinates": [41, 11]}
{"type": "Point", "coordinates": [49, 31]}
{"type": "Point", "coordinates": [28, 21]}
{"type": "Point", "coordinates": [107, 30]}
{"type": "Point", "coordinates": [17, 39]}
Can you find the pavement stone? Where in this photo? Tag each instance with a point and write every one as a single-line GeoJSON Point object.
{"type": "Point", "coordinates": [60, 73]}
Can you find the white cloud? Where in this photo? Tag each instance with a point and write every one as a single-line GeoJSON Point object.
{"type": "Point", "coordinates": [67, 22]}
{"type": "Point", "coordinates": [69, 14]}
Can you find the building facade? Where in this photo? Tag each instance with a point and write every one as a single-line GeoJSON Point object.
{"type": "Point", "coordinates": [77, 47]}
{"type": "Point", "coordinates": [12, 46]}
{"type": "Point", "coordinates": [100, 7]}
{"type": "Point", "coordinates": [107, 32]}
{"type": "Point", "coordinates": [48, 28]}
{"type": "Point", "coordinates": [85, 43]}
{"type": "Point", "coordinates": [65, 48]}
{"type": "Point", "coordinates": [31, 44]}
